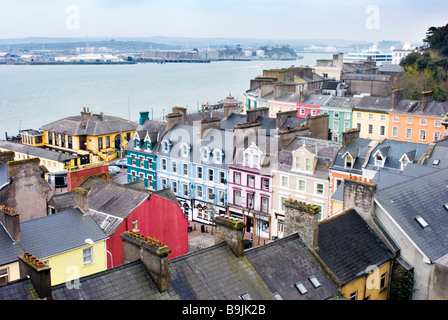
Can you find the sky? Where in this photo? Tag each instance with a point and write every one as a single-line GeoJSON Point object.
{"type": "Point", "coordinates": [395, 20]}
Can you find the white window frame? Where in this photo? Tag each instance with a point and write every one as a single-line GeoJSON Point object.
{"type": "Point", "coordinates": [87, 256]}
{"type": "Point", "coordinates": [394, 132]}
{"type": "Point", "coordinates": [320, 193]}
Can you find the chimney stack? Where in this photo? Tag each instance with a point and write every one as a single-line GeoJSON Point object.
{"type": "Point", "coordinates": [358, 194]}
{"type": "Point", "coordinates": [397, 95]}
{"type": "Point", "coordinates": [144, 115]}
{"type": "Point", "coordinates": [229, 109]}
{"type": "Point", "coordinates": [425, 99]}
{"type": "Point", "coordinates": [6, 156]}
{"type": "Point", "coordinates": [86, 115]}
{"type": "Point", "coordinates": [253, 114]}
{"type": "Point", "coordinates": [302, 218]}
{"type": "Point", "coordinates": [39, 274]}
{"type": "Point", "coordinates": [232, 232]}
{"type": "Point", "coordinates": [24, 168]}
{"type": "Point", "coordinates": [153, 254]}
{"type": "Point", "coordinates": [11, 221]}
{"type": "Point", "coordinates": [319, 126]}
{"type": "Point", "coordinates": [182, 111]}
{"type": "Point", "coordinates": [207, 124]}
{"type": "Point", "coordinates": [173, 119]}
{"type": "Point", "coordinates": [348, 135]}
{"type": "Point", "coordinates": [285, 136]}
{"type": "Point", "coordinates": [81, 199]}
{"type": "Point", "coordinates": [283, 115]}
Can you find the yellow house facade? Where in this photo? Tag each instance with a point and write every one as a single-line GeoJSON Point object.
{"type": "Point", "coordinates": [53, 161]}
{"type": "Point", "coordinates": [371, 124]}
{"type": "Point", "coordinates": [95, 137]}
{"type": "Point", "coordinates": [374, 285]}
{"type": "Point", "coordinates": [69, 266]}
{"type": "Point", "coordinates": [70, 242]}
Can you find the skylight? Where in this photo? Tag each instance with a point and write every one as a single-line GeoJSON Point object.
{"type": "Point", "coordinates": [301, 288]}
{"type": "Point", "coordinates": [314, 281]}
{"type": "Point", "coordinates": [246, 296]}
{"type": "Point", "coordinates": [436, 162]}
{"type": "Point", "coordinates": [422, 221]}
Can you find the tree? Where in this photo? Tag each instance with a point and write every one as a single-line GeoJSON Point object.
{"type": "Point", "coordinates": [428, 71]}
{"type": "Point", "coordinates": [437, 39]}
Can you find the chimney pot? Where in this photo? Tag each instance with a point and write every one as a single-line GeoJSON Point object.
{"type": "Point", "coordinates": [39, 274]}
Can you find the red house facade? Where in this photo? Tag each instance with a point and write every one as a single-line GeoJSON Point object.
{"type": "Point", "coordinates": [119, 208]}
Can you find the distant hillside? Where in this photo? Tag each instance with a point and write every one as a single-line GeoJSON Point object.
{"type": "Point", "coordinates": [176, 43]}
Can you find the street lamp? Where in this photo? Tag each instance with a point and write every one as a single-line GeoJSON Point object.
{"type": "Point", "coordinates": [90, 241]}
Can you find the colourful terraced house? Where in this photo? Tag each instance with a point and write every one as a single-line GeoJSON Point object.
{"type": "Point", "coordinates": [417, 120]}
{"type": "Point", "coordinates": [94, 137]}
{"type": "Point", "coordinates": [58, 240]}
{"type": "Point", "coordinates": [141, 151]}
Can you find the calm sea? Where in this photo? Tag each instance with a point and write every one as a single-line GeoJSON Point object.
{"type": "Point", "coordinates": [31, 96]}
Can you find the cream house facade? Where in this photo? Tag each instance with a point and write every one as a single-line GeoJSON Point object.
{"type": "Point", "coordinates": [302, 174]}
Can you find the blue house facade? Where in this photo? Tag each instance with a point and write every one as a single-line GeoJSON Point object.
{"type": "Point", "coordinates": [142, 151]}
{"type": "Point", "coordinates": [192, 161]}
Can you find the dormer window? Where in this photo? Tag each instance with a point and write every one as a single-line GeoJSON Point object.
{"type": "Point", "coordinates": [379, 160]}
{"type": "Point", "coordinates": [380, 157]}
{"type": "Point", "coordinates": [205, 154]}
{"type": "Point", "coordinates": [349, 162]}
{"type": "Point", "coordinates": [184, 150]}
{"type": "Point", "coordinates": [166, 146]}
{"type": "Point", "coordinates": [408, 157]}
{"type": "Point", "coordinates": [350, 158]}
{"type": "Point", "coordinates": [218, 155]}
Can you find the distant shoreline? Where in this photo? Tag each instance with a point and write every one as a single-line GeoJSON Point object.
{"type": "Point", "coordinates": [158, 61]}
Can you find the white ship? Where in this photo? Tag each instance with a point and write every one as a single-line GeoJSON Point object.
{"type": "Point", "coordinates": [373, 52]}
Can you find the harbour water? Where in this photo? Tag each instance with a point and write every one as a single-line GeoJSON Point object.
{"type": "Point", "coordinates": [31, 96]}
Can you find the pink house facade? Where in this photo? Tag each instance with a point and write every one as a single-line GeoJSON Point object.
{"type": "Point", "coordinates": [249, 190]}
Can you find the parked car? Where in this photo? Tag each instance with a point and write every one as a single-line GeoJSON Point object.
{"type": "Point", "coordinates": [247, 244]}
{"type": "Point", "coordinates": [120, 163]}
{"type": "Point", "coordinates": [114, 169]}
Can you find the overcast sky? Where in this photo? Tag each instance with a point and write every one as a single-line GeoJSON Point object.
{"type": "Point", "coordinates": [403, 20]}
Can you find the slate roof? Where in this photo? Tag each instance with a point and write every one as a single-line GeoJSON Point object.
{"type": "Point", "coordinates": [345, 102]}
{"type": "Point", "coordinates": [424, 196]}
{"type": "Point", "coordinates": [374, 104]}
{"type": "Point", "coordinates": [439, 155]}
{"type": "Point", "coordinates": [113, 198]}
{"type": "Point", "coordinates": [9, 250]}
{"type": "Point", "coordinates": [154, 129]}
{"type": "Point", "coordinates": [317, 99]}
{"type": "Point", "coordinates": [215, 273]}
{"type": "Point", "coordinates": [57, 233]}
{"type": "Point", "coordinates": [366, 77]}
{"type": "Point", "coordinates": [359, 146]}
{"type": "Point", "coordinates": [21, 289]}
{"type": "Point", "coordinates": [3, 173]}
{"type": "Point", "coordinates": [347, 246]}
{"type": "Point", "coordinates": [95, 127]}
{"type": "Point", "coordinates": [126, 282]}
{"type": "Point", "coordinates": [63, 201]}
{"type": "Point", "coordinates": [394, 150]}
{"type": "Point", "coordinates": [36, 151]}
{"type": "Point", "coordinates": [284, 262]}
{"type": "Point", "coordinates": [324, 150]}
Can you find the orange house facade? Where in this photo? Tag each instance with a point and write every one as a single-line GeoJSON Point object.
{"type": "Point", "coordinates": [415, 128]}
